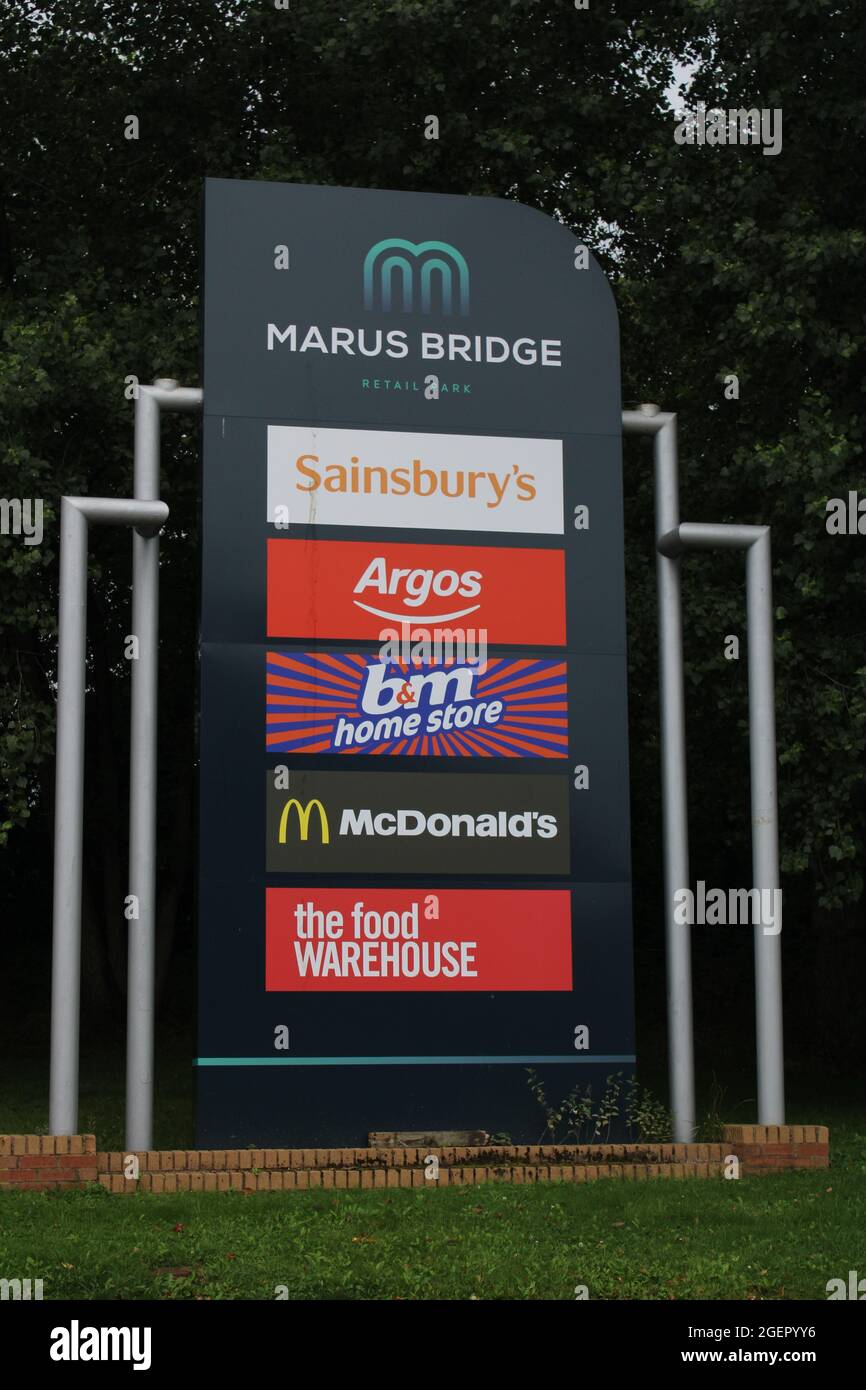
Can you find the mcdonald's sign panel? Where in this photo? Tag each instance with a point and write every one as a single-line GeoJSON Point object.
{"type": "Point", "coordinates": [414, 832]}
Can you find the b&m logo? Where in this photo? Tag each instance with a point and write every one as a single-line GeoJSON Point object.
{"type": "Point", "coordinates": [322, 702]}
{"type": "Point", "coordinates": [339, 589]}
{"type": "Point", "coordinates": [418, 269]}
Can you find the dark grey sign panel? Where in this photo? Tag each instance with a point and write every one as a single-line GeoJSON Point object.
{"type": "Point", "coordinates": [412, 408]}
{"type": "Point", "coordinates": [405, 823]}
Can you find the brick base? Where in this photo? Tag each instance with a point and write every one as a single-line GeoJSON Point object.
{"type": "Point", "coordinates": [41, 1162]}
{"type": "Point", "coordinates": [769, 1148]}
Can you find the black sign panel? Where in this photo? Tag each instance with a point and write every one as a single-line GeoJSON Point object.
{"type": "Point", "coordinates": [415, 876]}
{"type": "Point", "coordinates": [358, 822]}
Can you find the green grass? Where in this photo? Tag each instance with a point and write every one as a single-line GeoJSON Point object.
{"type": "Point", "coordinates": [779, 1237]}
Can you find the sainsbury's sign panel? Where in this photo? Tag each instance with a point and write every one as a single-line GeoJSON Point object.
{"type": "Point", "coordinates": [459, 482]}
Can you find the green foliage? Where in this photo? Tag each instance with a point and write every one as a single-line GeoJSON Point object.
{"type": "Point", "coordinates": [576, 1120]}
{"type": "Point", "coordinates": [760, 271]}
{"type": "Point", "coordinates": [648, 1119]}
{"type": "Point", "coordinates": [710, 1128]}
{"type": "Point", "coordinates": [723, 260]}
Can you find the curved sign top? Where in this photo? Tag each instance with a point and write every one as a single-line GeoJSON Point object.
{"type": "Point", "coordinates": [368, 294]}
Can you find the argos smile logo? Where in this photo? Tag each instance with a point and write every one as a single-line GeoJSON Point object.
{"type": "Point", "coordinates": [412, 587]}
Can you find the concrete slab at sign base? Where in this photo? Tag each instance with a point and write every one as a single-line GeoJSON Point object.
{"type": "Point", "coordinates": [427, 1139]}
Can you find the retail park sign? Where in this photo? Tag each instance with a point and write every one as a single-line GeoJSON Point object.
{"type": "Point", "coordinates": [415, 875]}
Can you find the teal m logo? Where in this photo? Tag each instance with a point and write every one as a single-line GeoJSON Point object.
{"type": "Point", "coordinates": [437, 262]}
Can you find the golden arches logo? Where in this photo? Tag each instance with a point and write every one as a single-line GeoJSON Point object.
{"type": "Point", "coordinates": [304, 813]}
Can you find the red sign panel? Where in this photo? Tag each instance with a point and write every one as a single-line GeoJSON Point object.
{"type": "Point", "coordinates": [334, 589]}
{"type": "Point", "coordinates": [377, 939]}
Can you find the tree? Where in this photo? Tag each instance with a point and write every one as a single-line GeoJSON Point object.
{"type": "Point", "coordinates": [102, 267]}
{"type": "Point", "coordinates": [725, 261]}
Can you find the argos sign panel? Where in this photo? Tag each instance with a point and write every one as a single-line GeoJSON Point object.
{"type": "Point", "coordinates": [360, 588]}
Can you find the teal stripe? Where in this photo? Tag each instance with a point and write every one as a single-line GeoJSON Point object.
{"type": "Point", "coordinates": [394, 1061]}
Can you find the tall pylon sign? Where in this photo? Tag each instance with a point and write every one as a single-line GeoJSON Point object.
{"type": "Point", "coordinates": [414, 869]}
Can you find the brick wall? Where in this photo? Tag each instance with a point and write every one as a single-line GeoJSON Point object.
{"type": "Point", "coordinates": [771, 1148]}
{"type": "Point", "coordinates": [280, 1170]}
{"type": "Point", "coordinates": [41, 1162]}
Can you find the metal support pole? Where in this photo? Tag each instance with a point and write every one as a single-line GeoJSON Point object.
{"type": "Point", "coordinates": [69, 800]}
{"type": "Point", "coordinates": [75, 514]}
{"type": "Point", "coordinates": [755, 540]}
{"type": "Point", "coordinates": [765, 830]}
{"type": "Point", "coordinates": [141, 934]}
{"type": "Point", "coordinates": [164, 394]}
{"type": "Point", "coordinates": [678, 943]}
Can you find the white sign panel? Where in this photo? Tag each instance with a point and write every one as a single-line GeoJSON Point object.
{"type": "Point", "coordinates": [459, 482]}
